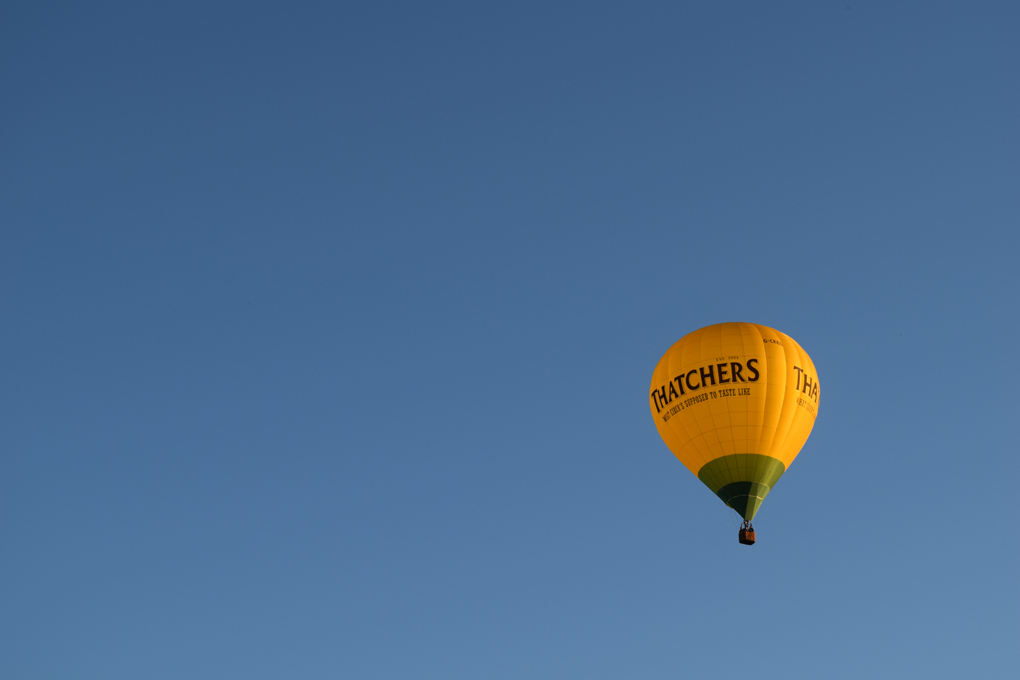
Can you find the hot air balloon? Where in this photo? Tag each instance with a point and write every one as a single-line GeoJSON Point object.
{"type": "Point", "coordinates": [735, 402]}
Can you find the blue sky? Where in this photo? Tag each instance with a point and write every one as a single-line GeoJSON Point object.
{"type": "Point", "coordinates": [326, 333]}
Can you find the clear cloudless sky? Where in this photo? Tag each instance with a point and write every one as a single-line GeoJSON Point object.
{"type": "Point", "coordinates": [327, 330]}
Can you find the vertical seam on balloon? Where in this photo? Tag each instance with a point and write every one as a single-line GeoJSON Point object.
{"type": "Point", "coordinates": [795, 348]}
{"type": "Point", "coordinates": [762, 449]}
{"type": "Point", "coordinates": [690, 439]}
{"type": "Point", "coordinates": [798, 417]}
{"type": "Point", "coordinates": [672, 431]}
{"type": "Point", "coordinates": [711, 415]}
{"type": "Point", "coordinates": [782, 394]}
{"type": "Point", "coordinates": [706, 451]}
{"type": "Point", "coordinates": [753, 329]}
{"type": "Point", "coordinates": [728, 415]}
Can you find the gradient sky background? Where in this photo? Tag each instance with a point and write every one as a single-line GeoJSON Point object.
{"type": "Point", "coordinates": [327, 332]}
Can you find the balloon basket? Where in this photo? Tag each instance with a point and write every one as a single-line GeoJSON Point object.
{"type": "Point", "coordinates": [746, 535]}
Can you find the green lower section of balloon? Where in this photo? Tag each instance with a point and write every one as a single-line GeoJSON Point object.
{"type": "Point", "coordinates": [742, 480]}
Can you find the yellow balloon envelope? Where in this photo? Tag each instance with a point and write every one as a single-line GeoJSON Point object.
{"type": "Point", "coordinates": [735, 402]}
